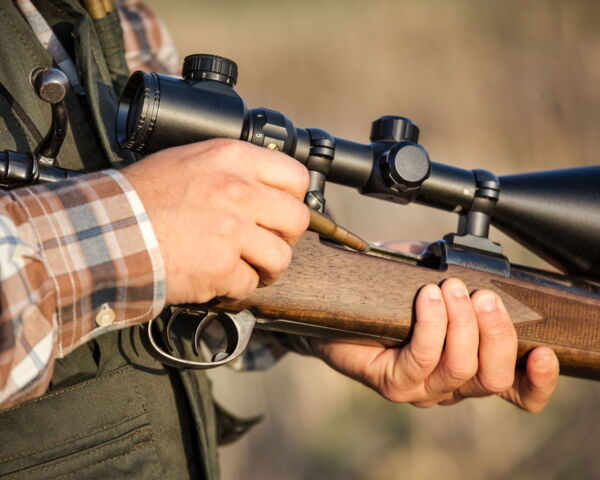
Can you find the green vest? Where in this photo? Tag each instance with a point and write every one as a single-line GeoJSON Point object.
{"type": "Point", "coordinates": [112, 411]}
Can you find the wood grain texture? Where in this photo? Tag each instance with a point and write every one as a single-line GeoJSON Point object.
{"type": "Point", "coordinates": [570, 326]}
{"type": "Point", "coordinates": [344, 290]}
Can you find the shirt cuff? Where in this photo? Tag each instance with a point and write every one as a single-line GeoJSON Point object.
{"type": "Point", "coordinates": [100, 252]}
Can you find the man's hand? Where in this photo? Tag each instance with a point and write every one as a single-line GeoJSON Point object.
{"type": "Point", "coordinates": [462, 346]}
{"type": "Point", "coordinates": [225, 213]}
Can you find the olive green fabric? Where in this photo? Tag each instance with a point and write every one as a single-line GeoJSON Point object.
{"type": "Point", "coordinates": [111, 425]}
{"type": "Point", "coordinates": [110, 35]}
{"type": "Point", "coordinates": [77, 32]}
{"type": "Point", "coordinates": [112, 410]}
{"type": "Point", "coordinates": [24, 118]}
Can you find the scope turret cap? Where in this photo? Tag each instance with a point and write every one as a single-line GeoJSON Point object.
{"type": "Point", "coordinates": [204, 66]}
{"type": "Point", "coordinates": [405, 165]}
{"type": "Point", "coordinates": [391, 128]}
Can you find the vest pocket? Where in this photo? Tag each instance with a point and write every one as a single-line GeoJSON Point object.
{"type": "Point", "coordinates": [95, 429]}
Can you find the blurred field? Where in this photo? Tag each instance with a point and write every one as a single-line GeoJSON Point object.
{"type": "Point", "coordinates": [510, 86]}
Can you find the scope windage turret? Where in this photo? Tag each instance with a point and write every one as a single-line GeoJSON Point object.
{"type": "Point", "coordinates": [554, 214]}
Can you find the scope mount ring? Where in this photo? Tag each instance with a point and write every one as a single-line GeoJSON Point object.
{"type": "Point", "coordinates": [237, 326]}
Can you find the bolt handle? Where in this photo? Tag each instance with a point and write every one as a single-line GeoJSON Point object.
{"type": "Point", "coordinates": [51, 85]}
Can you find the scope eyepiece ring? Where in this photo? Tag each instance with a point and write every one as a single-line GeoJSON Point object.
{"type": "Point", "coordinates": [138, 111]}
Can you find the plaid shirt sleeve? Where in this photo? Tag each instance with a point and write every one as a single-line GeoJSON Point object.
{"type": "Point", "coordinates": [77, 259]}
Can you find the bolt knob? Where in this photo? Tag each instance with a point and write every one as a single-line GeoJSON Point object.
{"type": "Point", "coordinates": [391, 128]}
{"type": "Point", "coordinates": [50, 84]}
{"type": "Point", "coordinates": [405, 165]}
{"type": "Point", "coordinates": [210, 67]}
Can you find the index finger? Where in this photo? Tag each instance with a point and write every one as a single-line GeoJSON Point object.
{"type": "Point", "coordinates": [421, 356]}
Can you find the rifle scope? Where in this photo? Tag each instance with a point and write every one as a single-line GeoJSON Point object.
{"type": "Point", "coordinates": [553, 213]}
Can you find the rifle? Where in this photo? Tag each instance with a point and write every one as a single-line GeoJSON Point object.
{"type": "Point", "coordinates": [333, 290]}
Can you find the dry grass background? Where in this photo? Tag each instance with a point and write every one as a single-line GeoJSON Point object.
{"type": "Point", "coordinates": [510, 86]}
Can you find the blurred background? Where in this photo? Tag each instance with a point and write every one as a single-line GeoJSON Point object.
{"type": "Point", "coordinates": [509, 86]}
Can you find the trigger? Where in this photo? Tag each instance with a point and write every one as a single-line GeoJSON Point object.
{"type": "Point", "coordinates": [209, 317]}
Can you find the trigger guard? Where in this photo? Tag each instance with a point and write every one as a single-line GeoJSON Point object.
{"type": "Point", "coordinates": [238, 325]}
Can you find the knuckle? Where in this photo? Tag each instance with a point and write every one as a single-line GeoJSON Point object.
{"type": "Point", "coordinates": [303, 219]}
{"type": "Point", "coordinates": [227, 147]}
{"type": "Point", "coordinates": [225, 226]}
{"type": "Point", "coordinates": [424, 360]}
{"type": "Point", "coordinates": [296, 177]}
{"type": "Point", "coordinates": [277, 264]}
{"type": "Point", "coordinates": [235, 189]}
{"type": "Point", "coordinates": [463, 319]}
{"type": "Point", "coordinates": [225, 267]}
{"type": "Point", "coordinates": [459, 373]}
{"type": "Point", "coordinates": [496, 383]}
{"type": "Point", "coordinates": [240, 289]}
{"type": "Point", "coordinates": [392, 394]}
{"type": "Point", "coordinates": [302, 177]}
{"type": "Point", "coordinates": [413, 376]}
{"type": "Point", "coordinates": [285, 257]}
{"type": "Point", "coordinates": [435, 324]}
{"type": "Point", "coordinates": [227, 257]}
{"type": "Point", "coordinates": [501, 332]}
{"type": "Point", "coordinates": [252, 284]}
{"type": "Point", "coordinates": [390, 389]}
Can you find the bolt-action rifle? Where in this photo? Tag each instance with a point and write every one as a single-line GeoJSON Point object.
{"type": "Point", "coordinates": [339, 286]}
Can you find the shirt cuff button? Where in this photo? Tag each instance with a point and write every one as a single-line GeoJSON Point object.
{"type": "Point", "coordinates": [105, 316]}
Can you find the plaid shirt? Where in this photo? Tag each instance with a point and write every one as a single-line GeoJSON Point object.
{"type": "Point", "coordinates": [77, 259]}
{"type": "Point", "coordinates": [80, 258]}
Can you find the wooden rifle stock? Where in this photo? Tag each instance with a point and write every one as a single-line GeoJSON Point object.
{"type": "Point", "coordinates": [330, 291]}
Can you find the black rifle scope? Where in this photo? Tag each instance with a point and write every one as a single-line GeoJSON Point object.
{"type": "Point", "coordinates": [554, 213]}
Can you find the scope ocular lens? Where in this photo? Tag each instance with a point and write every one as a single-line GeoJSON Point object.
{"type": "Point", "coordinates": [138, 110]}
{"type": "Point", "coordinates": [135, 110]}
